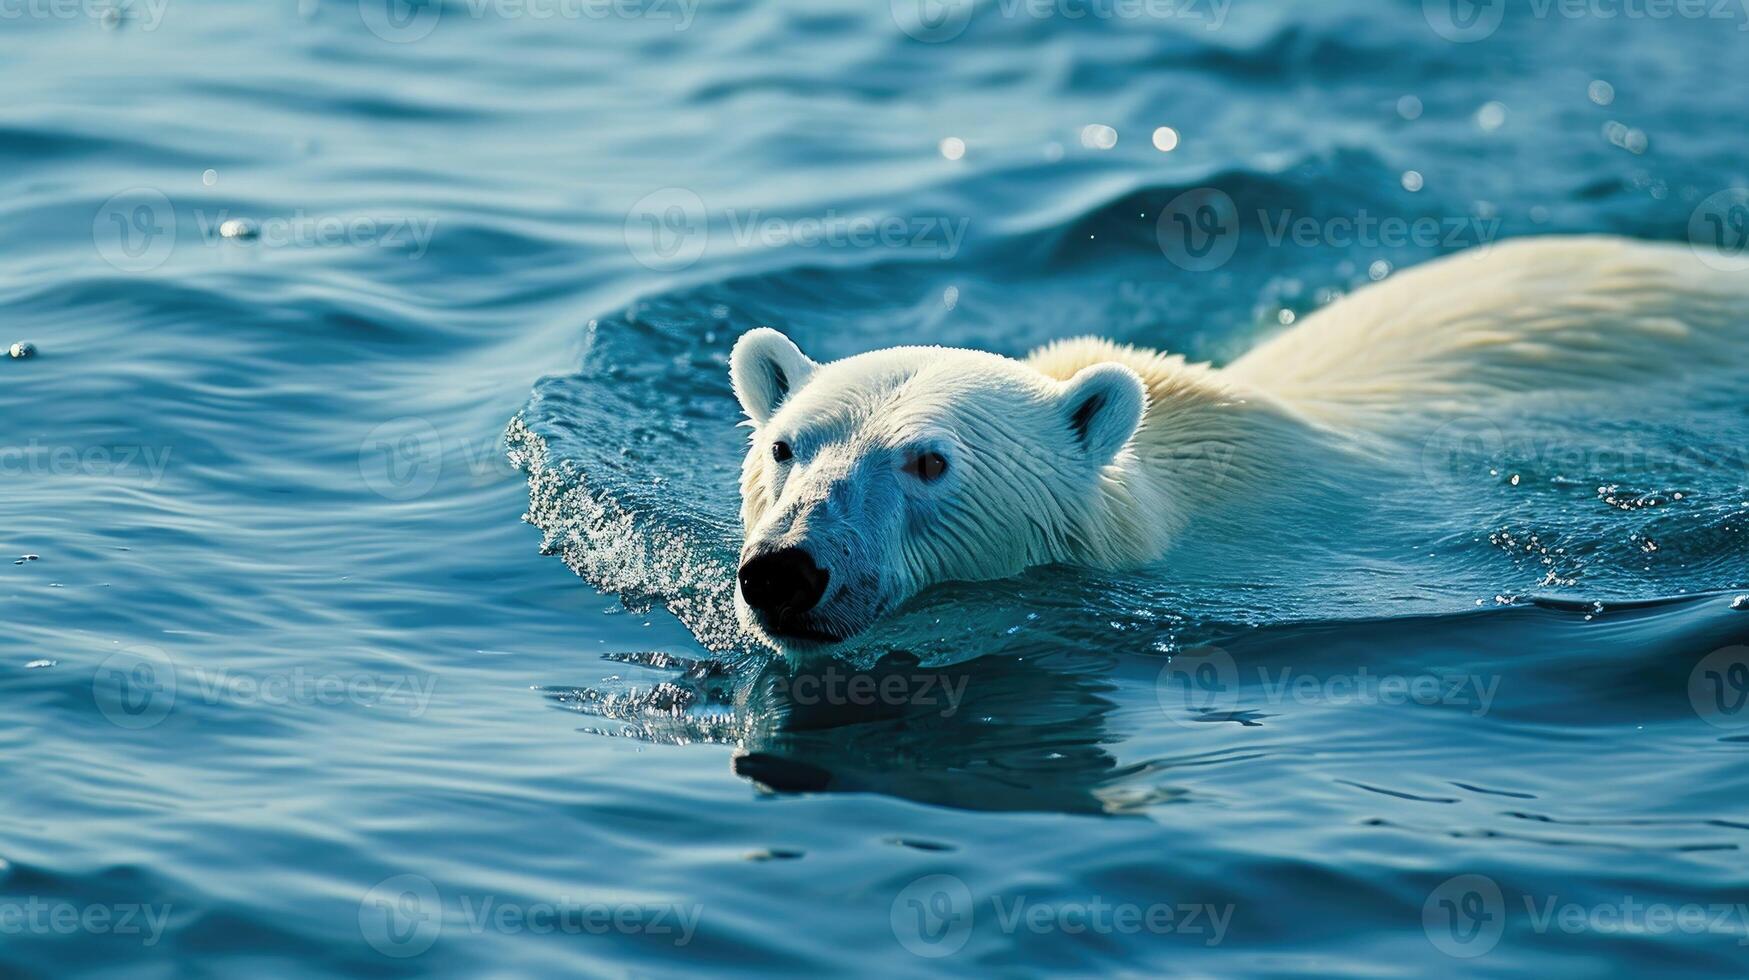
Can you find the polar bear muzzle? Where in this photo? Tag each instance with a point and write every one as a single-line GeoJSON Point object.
{"type": "Point", "coordinates": [782, 587]}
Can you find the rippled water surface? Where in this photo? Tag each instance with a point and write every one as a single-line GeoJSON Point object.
{"type": "Point", "coordinates": [331, 302]}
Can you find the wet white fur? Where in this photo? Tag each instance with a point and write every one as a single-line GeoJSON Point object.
{"type": "Point", "coordinates": [1168, 444]}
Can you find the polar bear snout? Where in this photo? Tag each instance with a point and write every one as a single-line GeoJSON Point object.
{"type": "Point", "coordinates": [781, 587]}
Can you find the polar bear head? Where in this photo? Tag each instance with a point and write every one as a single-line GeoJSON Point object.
{"type": "Point", "coordinates": [873, 477]}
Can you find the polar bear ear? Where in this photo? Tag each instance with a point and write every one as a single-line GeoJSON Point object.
{"type": "Point", "coordinates": [765, 367]}
{"type": "Point", "coordinates": [1102, 408]}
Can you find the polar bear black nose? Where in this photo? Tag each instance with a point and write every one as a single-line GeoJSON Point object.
{"type": "Point", "coordinates": [782, 582]}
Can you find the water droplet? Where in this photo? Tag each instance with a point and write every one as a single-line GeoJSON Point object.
{"type": "Point", "coordinates": [1096, 136]}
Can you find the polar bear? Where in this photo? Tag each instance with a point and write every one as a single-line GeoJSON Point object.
{"type": "Point", "coordinates": [873, 477]}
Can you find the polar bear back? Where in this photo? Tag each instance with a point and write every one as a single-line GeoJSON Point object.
{"type": "Point", "coordinates": [1540, 314]}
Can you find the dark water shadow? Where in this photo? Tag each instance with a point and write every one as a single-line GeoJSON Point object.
{"type": "Point", "coordinates": [1017, 732]}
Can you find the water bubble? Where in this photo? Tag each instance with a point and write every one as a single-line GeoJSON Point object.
{"type": "Point", "coordinates": [22, 350]}
{"type": "Point", "coordinates": [1412, 180]}
{"type": "Point", "coordinates": [1098, 137]}
{"type": "Point", "coordinates": [1601, 92]}
{"type": "Point", "coordinates": [1409, 107]}
{"type": "Point", "coordinates": [950, 297]}
{"type": "Point", "coordinates": [1491, 116]}
{"type": "Point", "coordinates": [1378, 270]}
{"type": "Point", "coordinates": [210, 177]}
{"type": "Point", "coordinates": [1165, 139]}
{"type": "Point", "coordinates": [953, 148]}
{"type": "Point", "coordinates": [239, 228]}
{"type": "Point", "coordinates": [1053, 152]}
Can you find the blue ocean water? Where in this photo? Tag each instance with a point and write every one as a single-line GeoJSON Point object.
{"type": "Point", "coordinates": [370, 495]}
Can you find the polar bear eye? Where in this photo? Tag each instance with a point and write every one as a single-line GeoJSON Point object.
{"type": "Point", "coordinates": [781, 452]}
{"type": "Point", "coordinates": [927, 467]}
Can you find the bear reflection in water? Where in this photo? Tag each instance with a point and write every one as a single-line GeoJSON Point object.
{"type": "Point", "coordinates": [1025, 732]}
